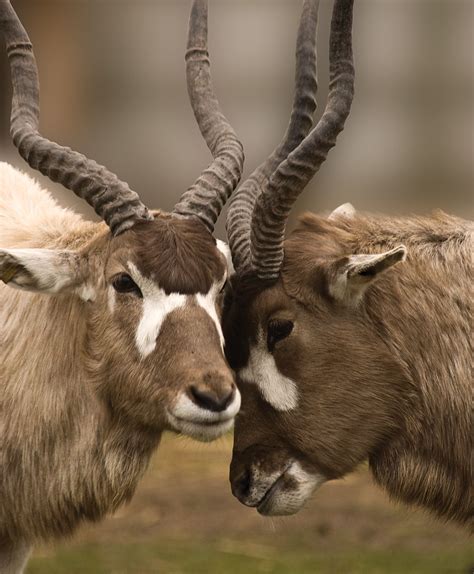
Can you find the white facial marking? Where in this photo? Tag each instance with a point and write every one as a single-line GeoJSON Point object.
{"type": "Point", "coordinates": [224, 249]}
{"type": "Point", "coordinates": [307, 482]}
{"type": "Point", "coordinates": [201, 424]}
{"type": "Point", "coordinates": [185, 409]}
{"type": "Point", "coordinates": [278, 390]}
{"type": "Point", "coordinates": [86, 292]}
{"type": "Point", "coordinates": [208, 303]}
{"type": "Point", "coordinates": [156, 306]}
{"type": "Point", "coordinates": [111, 298]}
{"type": "Point", "coordinates": [284, 501]}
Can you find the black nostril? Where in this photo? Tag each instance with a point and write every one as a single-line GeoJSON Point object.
{"type": "Point", "coordinates": [241, 485]}
{"type": "Point", "coordinates": [211, 400]}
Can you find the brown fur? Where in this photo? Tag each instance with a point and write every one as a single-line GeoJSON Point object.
{"type": "Point", "coordinates": [178, 254]}
{"type": "Point", "coordinates": [81, 411]}
{"type": "Point", "coordinates": [388, 379]}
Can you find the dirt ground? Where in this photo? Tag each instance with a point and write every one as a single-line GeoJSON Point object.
{"type": "Point", "coordinates": [184, 502]}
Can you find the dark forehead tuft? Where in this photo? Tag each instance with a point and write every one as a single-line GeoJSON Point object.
{"type": "Point", "coordinates": [179, 254]}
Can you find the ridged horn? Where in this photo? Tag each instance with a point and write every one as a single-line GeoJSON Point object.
{"type": "Point", "coordinates": [273, 205]}
{"type": "Point", "coordinates": [207, 196]}
{"type": "Point", "coordinates": [111, 199]}
{"type": "Point", "coordinates": [239, 217]}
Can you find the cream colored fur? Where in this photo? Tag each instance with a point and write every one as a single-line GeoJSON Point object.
{"type": "Point", "coordinates": [55, 432]}
{"type": "Point", "coordinates": [80, 412]}
{"type": "Point", "coordinates": [30, 217]}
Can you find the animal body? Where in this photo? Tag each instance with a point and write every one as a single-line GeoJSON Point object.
{"type": "Point", "coordinates": [352, 339]}
{"type": "Point", "coordinates": [111, 332]}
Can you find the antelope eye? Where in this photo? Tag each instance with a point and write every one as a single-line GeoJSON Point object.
{"type": "Point", "coordinates": [277, 330]}
{"type": "Point", "coordinates": [123, 283]}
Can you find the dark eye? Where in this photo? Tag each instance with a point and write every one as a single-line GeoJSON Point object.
{"type": "Point", "coordinates": [123, 283]}
{"type": "Point", "coordinates": [277, 330]}
{"type": "Point", "coordinates": [224, 287]}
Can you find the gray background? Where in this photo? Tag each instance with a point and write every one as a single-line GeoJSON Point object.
{"type": "Point", "coordinates": [113, 87]}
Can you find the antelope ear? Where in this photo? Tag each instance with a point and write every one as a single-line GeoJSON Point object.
{"type": "Point", "coordinates": [352, 275]}
{"type": "Point", "coordinates": [41, 270]}
{"type": "Point", "coordinates": [344, 210]}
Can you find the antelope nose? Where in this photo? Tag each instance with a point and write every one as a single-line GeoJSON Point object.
{"type": "Point", "coordinates": [240, 486]}
{"type": "Point", "coordinates": [212, 400]}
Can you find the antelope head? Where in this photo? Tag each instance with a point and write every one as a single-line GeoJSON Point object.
{"type": "Point", "coordinates": [290, 320]}
{"type": "Point", "coordinates": [149, 283]}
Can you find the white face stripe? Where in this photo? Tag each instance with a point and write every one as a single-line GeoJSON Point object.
{"type": "Point", "coordinates": [279, 391]}
{"type": "Point", "coordinates": [208, 303]}
{"type": "Point", "coordinates": [224, 249]}
{"type": "Point", "coordinates": [157, 305]}
{"type": "Point", "coordinates": [111, 298]}
{"type": "Point", "coordinates": [86, 292]}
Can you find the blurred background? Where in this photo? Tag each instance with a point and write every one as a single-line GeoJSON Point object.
{"type": "Point", "coordinates": [113, 87]}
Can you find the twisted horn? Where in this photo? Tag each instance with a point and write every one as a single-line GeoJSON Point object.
{"type": "Point", "coordinates": [293, 174]}
{"type": "Point", "coordinates": [239, 217]}
{"type": "Point", "coordinates": [207, 196]}
{"type": "Point", "coordinates": [112, 199]}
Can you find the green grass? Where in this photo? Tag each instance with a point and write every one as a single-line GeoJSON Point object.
{"type": "Point", "coordinates": [183, 520]}
{"type": "Point", "coordinates": [228, 557]}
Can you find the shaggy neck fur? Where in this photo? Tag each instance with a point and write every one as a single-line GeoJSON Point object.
{"type": "Point", "coordinates": [424, 316]}
{"type": "Point", "coordinates": [70, 458]}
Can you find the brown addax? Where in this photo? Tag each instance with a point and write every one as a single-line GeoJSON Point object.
{"type": "Point", "coordinates": [112, 333]}
{"type": "Point", "coordinates": [352, 339]}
